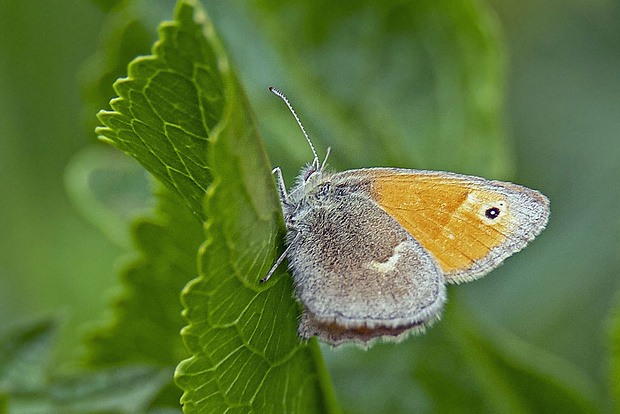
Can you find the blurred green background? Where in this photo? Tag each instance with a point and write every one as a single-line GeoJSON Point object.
{"type": "Point", "coordinates": [561, 78]}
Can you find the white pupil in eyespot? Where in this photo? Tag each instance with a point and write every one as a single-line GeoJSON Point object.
{"type": "Point", "coordinates": [492, 213]}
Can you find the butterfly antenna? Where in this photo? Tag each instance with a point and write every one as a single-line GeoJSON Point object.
{"type": "Point", "coordinates": [315, 162]}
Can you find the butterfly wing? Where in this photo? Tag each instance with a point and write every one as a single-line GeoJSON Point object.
{"type": "Point", "coordinates": [468, 224]}
{"type": "Point", "coordinates": [359, 274]}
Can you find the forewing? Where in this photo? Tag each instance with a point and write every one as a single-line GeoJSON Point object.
{"type": "Point", "coordinates": [468, 224]}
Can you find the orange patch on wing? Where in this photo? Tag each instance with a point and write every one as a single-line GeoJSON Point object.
{"type": "Point", "coordinates": [444, 214]}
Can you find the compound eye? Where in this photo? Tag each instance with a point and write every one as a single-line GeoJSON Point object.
{"type": "Point", "coordinates": [323, 190]}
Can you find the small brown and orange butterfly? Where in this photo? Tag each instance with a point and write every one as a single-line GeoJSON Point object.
{"type": "Point", "coordinates": [371, 250]}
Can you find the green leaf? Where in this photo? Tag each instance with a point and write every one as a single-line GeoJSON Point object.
{"type": "Point", "coordinates": [170, 108]}
{"type": "Point", "coordinates": [147, 320]}
{"type": "Point", "coordinates": [614, 334]}
{"type": "Point", "coordinates": [107, 5]}
{"type": "Point", "coordinates": [4, 403]}
{"type": "Point", "coordinates": [129, 389]}
{"type": "Point", "coordinates": [247, 356]}
{"type": "Point", "coordinates": [166, 109]}
{"type": "Point", "coordinates": [147, 316]}
{"type": "Point", "coordinates": [110, 190]}
{"type": "Point", "coordinates": [25, 355]}
{"type": "Point", "coordinates": [27, 385]}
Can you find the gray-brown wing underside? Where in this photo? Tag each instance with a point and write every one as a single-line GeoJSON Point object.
{"type": "Point", "coordinates": [356, 269]}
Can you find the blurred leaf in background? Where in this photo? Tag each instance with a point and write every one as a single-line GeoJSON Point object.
{"type": "Point", "coordinates": [50, 258]}
{"type": "Point", "coordinates": [384, 83]}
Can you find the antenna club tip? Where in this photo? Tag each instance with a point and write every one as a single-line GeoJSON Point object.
{"type": "Point", "coordinates": [277, 92]}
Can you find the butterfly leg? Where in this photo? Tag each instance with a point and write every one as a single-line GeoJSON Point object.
{"type": "Point", "coordinates": [278, 262]}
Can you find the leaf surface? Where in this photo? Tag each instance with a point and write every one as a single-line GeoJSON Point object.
{"type": "Point", "coordinates": [147, 314]}
{"type": "Point", "coordinates": [166, 109]}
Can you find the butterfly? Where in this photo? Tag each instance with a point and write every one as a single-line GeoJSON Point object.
{"type": "Point", "coordinates": [371, 250]}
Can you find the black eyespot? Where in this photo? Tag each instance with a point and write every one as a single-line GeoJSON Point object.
{"type": "Point", "coordinates": [492, 213]}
